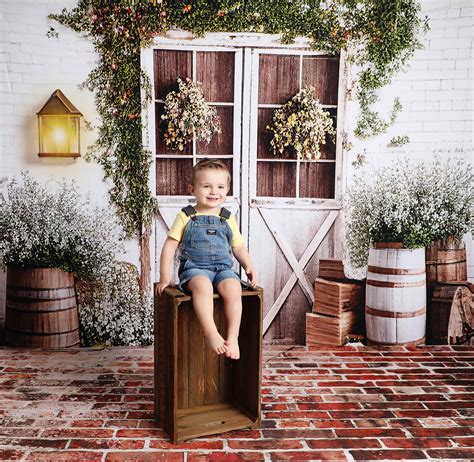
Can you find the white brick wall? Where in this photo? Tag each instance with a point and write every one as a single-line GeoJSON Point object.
{"type": "Point", "coordinates": [436, 93]}
{"type": "Point", "coordinates": [32, 66]}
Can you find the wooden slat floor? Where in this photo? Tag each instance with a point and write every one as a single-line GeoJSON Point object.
{"type": "Point", "coordinates": [341, 403]}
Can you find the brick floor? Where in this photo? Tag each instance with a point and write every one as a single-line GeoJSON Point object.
{"type": "Point", "coordinates": [348, 403]}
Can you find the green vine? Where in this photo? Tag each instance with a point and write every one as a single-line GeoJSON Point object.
{"type": "Point", "coordinates": [382, 35]}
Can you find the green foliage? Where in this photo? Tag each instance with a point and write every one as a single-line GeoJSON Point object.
{"type": "Point", "coordinates": [383, 34]}
{"type": "Point", "coordinates": [399, 140]}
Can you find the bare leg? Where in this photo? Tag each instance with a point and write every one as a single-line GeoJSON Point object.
{"type": "Point", "coordinates": [203, 304]}
{"type": "Point", "coordinates": [231, 292]}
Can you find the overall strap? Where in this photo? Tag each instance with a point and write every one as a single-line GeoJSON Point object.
{"type": "Point", "coordinates": [190, 211]}
{"type": "Point", "coordinates": [224, 214]}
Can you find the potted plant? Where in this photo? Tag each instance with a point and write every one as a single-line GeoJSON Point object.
{"type": "Point", "coordinates": [49, 238]}
{"type": "Point", "coordinates": [389, 219]}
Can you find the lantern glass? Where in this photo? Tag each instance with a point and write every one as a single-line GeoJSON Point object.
{"type": "Point", "coordinates": [59, 127]}
{"type": "Point", "coordinates": [59, 135]}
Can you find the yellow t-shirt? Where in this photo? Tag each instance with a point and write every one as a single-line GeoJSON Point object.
{"type": "Point", "coordinates": [181, 220]}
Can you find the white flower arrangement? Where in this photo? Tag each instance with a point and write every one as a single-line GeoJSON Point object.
{"type": "Point", "coordinates": [301, 123]}
{"type": "Point", "coordinates": [187, 114]}
{"type": "Point", "coordinates": [114, 312]}
{"type": "Point", "coordinates": [412, 204]}
{"type": "Point", "coordinates": [47, 228]}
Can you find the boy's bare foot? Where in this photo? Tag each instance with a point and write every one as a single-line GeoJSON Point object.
{"type": "Point", "coordinates": [215, 342]}
{"type": "Point", "coordinates": [233, 350]}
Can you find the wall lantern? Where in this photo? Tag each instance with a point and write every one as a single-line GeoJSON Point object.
{"type": "Point", "coordinates": [59, 127]}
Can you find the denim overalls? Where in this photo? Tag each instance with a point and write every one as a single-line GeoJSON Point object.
{"type": "Point", "coordinates": [206, 248]}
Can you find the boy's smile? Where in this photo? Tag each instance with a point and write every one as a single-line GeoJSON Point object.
{"type": "Point", "coordinates": [210, 189]}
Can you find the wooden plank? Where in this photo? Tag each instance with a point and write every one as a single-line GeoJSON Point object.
{"type": "Point", "coordinates": [289, 255]}
{"type": "Point", "coordinates": [211, 364]}
{"type": "Point", "coordinates": [278, 78]}
{"type": "Point", "coordinates": [173, 176]}
{"type": "Point", "coordinates": [168, 66]}
{"type": "Point", "coordinates": [317, 179]}
{"type": "Point", "coordinates": [314, 244]}
{"type": "Point", "coordinates": [216, 72]}
{"type": "Point", "coordinates": [184, 346]}
{"type": "Point", "coordinates": [322, 73]}
{"type": "Point", "coordinates": [197, 374]}
{"type": "Point", "coordinates": [276, 179]}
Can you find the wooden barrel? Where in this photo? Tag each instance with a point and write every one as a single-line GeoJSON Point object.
{"type": "Point", "coordinates": [440, 300]}
{"type": "Point", "coordinates": [41, 308]}
{"type": "Point", "coordinates": [395, 310]}
{"type": "Point", "coordinates": [446, 262]}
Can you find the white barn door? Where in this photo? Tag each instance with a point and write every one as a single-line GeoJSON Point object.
{"type": "Point", "coordinates": [286, 208]}
{"type": "Point", "coordinates": [292, 207]}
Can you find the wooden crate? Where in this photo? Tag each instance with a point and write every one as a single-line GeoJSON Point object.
{"type": "Point", "coordinates": [196, 391]}
{"type": "Point", "coordinates": [329, 330]}
{"type": "Point", "coordinates": [333, 298]}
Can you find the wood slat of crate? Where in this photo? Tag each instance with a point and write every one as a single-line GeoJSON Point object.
{"type": "Point", "coordinates": [329, 330]}
{"type": "Point", "coordinates": [332, 269]}
{"type": "Point", "coordinates": [334, 298]}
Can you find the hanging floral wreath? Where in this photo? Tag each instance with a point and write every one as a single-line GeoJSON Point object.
{"type": "Point", "coordinates": [187, 114]}
{"type": "Point", "coordinates": [301, 123]}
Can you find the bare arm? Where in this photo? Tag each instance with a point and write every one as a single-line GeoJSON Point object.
{"type": "Point", "coordinates": [167, 255]}
{"type": "Point", "coordinates": [245, 261]}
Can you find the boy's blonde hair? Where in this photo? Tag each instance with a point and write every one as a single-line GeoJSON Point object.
{"type": "Point", "coordinates": [210, 164]}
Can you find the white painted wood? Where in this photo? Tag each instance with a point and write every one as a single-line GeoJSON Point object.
{"type": "Point", "coordinates": [406, 298]}
{"type": "Point", "coordinates": [233, 39]}
{"type": "Point", "coordinates": [341, 154]}
{"type": "Point", "coordinates": [237, 124]}
{"type": "Point", "coordinates": [308, 253]}
{"type": "Point", "coordinates": [288, 253]}
{"type": "Point", "coordinates": [245, 132]}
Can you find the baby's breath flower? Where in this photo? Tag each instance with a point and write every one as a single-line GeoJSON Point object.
{"type": "Point", "coordinates": [412, 204]}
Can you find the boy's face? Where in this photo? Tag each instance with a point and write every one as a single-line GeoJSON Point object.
{"type": "Point", "coordinates": [210, 188]}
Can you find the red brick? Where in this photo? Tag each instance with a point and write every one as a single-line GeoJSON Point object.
{"type": "Point", "coordinates": [65, 456]}
{"type": "Point", "coordinates": [464, 442]}
{"type": "Point", "coordinates": [11, 454]}
{"type": "Point", "coordinates": [111, 443]}
{"type": "Point", "coordinates": [33, 443]}
{"type": "Point", "coordinates": [333, 423]}
{"type": "Point", "coordinates": [387, 454]}
{"type": "Point", "coordinates": [346, 443]}
{"type": "Point", "coordinates": [296, 415]}
{"type": "Point", "coordinates": [80, 433]}
{"type": "Point", "coordinates": [141, 434]}
{"type": "Point", "coordinates": [225, 457]}
{"type": "Point", "coordinates": [417, 443]}
{"type": "Point", "coordinates": [265, 444]}
{"type": "Point", "coordinates": [23, 432]}
{"type": "Point", "coordinates": [455, 453]}
{"type": "Point", "coordinates": [368, 432]}
{"type": "Point", "coordinates": [144, 456]}
{"type": "Point", "coordinates": [308, 455]}
{"type": "Point", "coordinates": [328, 406]}
{"type": "Point", "coordinates": [87, 423]}
{"type": "Point", "coordinates": [428, 413]}
{"type": "Point", "coordinates": [247, 434]}
{"type": "Point", "coordinates": [122, 423]}
{"type": "Point", "coordinates": [434, 431]}
{"type": "Point", "coordinates": [300, 433]}
{"type": "Point", "coordinates": [362, 414]}
{"type": "Point", "coordinates": [195, 444]}
{"type": "Point", "coordinates": [295, 423]}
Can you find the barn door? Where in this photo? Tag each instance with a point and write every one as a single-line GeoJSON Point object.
{"type": "Point", "coordinates": [219, 70]}
{"type": "Point", "coordinates": [292, 206]}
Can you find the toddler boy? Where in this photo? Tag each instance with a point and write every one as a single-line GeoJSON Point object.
{"type": "Point", "coordinates": [208, 235]}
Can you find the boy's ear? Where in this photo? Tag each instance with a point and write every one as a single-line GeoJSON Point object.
{"type": "Point", "coordinates": [191, 189]}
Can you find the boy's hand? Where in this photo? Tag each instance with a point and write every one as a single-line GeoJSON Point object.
{"type": "Point", "coordinates": [251, 276]}
{"type": "Point", "coordinates": [163, 284]}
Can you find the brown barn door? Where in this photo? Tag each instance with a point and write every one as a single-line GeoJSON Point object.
{"type": "Point", "coordinates": [292, 202]}
{"type": "Point", "coordinates": [219, 70]}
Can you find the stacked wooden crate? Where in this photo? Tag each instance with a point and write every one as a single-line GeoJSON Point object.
{"type": "Point", "coordinates": [338, 309]}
